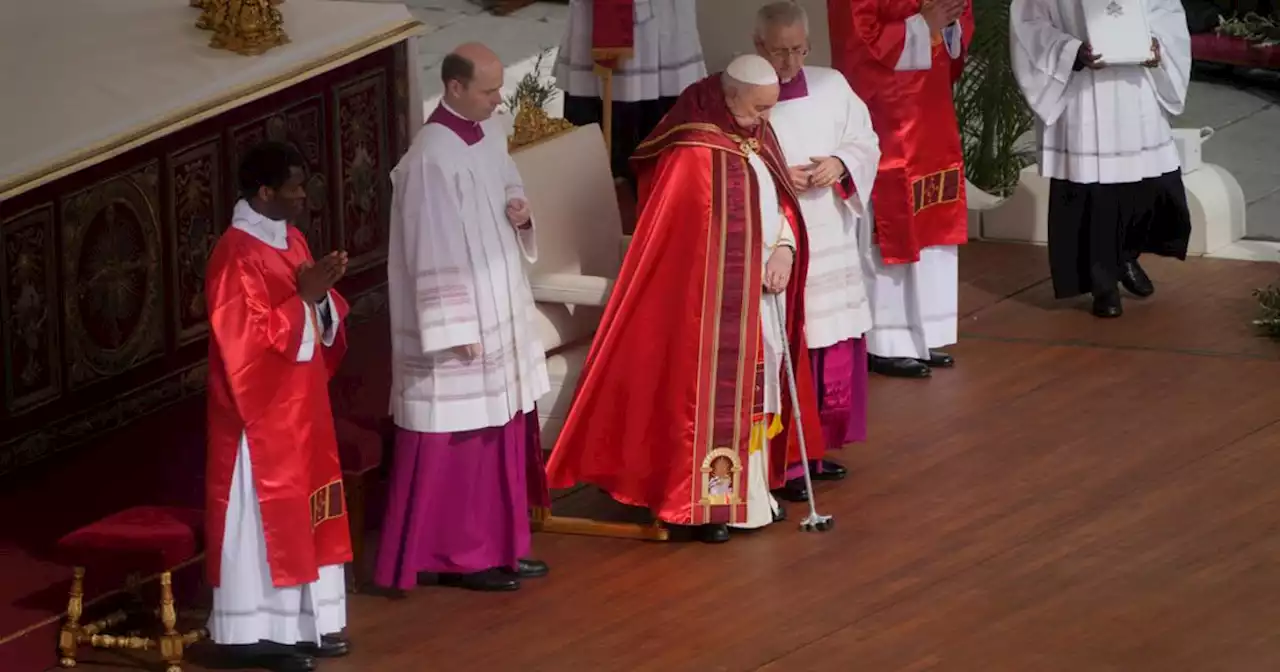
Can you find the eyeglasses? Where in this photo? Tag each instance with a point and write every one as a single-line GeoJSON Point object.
{"type": "Point", "coordinates": [780, 54]}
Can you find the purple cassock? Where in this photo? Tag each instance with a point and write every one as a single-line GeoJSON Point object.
{"type": "Point", "coordinates": [459, 502]}
{"type": "Point", "coordinates": [840, 374]}
{"type": "Point", "coordinates": [840, 370]}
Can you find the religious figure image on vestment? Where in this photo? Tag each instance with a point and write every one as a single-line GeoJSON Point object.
{"type": "Point", "coordinates": [719, 475]}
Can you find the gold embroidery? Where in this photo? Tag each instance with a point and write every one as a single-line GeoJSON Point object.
{"type": "Point", "coordinates": [937, 188]}
{"type": "Point", "coordinates": [328, 502]}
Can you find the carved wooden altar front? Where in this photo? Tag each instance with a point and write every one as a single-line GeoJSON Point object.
{"type": "Point", "coordinates": [102, 315]}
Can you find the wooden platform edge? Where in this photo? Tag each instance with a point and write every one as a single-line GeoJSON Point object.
{"type": "Point", "coordinates": [543, 521]}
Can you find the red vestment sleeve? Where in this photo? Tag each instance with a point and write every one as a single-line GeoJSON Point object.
{"type": "Point", "coordinates": [861, 19]}
{"type": "Point", "coordinates": [334, 352]}
{"type": "Point", "coordinates": [246, 326]}
{"type": "Point", "coordinates": [966, 37]}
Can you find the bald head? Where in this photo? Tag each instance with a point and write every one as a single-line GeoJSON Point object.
{"type": "Point", "coordinates": [472, 76]}
{"type": "Point", "coordinates": [750, 90]}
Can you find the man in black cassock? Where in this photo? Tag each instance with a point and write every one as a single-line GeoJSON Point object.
{"type": "Point", "coordinates": [1105, 143]}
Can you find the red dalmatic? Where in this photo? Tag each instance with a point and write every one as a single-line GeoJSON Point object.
{"type": "Point", "coordinates": [671, 383]}
{"type": "Point", "coordinates": [257, 387]}
{"type": "Point", "coordinates": [919, 197]}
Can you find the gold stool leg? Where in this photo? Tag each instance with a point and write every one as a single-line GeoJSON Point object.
{"type": "Point", "coordinates": [171, 643]}
{"type": "Point", "coordinates": [68, 637]}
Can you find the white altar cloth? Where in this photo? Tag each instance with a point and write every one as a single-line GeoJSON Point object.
{"type": "Point", "coordinates": [85, 80]}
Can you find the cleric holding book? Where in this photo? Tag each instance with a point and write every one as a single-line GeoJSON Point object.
{"type": "Point", "coordinates": [680, 408]}
{"type": "Point", "coordinates": [277, 530]}
{"type": "Point", "coordinates": [902, 58]}
{"type": "Point", "coordinates": [1115, 175]}
{"type": "Point", "coordinates": [825, 132]}
{"type": "Point", "coordinates": [467, 364]}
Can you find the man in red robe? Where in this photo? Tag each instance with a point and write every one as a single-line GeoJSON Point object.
{"type": "Point", "coordinates": [683, 407]}
{"type": "Point", "coordinates": [902, 58]}
{"type": "Point", "coordinates": [277, 531]}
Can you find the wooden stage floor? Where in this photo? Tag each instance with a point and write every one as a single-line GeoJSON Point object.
{"type": "Point", "coordinates": [1077, 495]}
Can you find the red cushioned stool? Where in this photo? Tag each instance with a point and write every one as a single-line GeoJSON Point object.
{"type": "Point", "coordinates": [360, 449]}
{"type": "Point", "coordinates": [148, 541]}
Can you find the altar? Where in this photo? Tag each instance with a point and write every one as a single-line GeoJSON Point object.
{"type": "Point", "coordinates": [119, 142]}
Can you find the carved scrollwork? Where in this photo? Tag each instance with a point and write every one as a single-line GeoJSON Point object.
{"type": "Point", "coordinates": [197, 214]}
{"type": "Point", "coordinates": [361, 130]}
{"type": "Point", "coordinates": [111, 275]}
{"type": "Point", "coordinates": [28, 316]}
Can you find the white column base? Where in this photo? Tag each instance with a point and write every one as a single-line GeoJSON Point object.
{"type": "Point", "coordinates": [1213, 195]}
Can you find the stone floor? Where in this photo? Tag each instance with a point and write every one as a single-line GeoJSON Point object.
{"type": "Point", "coordinates": [1244, 111]}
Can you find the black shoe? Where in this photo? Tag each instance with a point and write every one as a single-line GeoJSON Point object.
{"type": "Point", "coordinates": [712, 534]}
{"type": "Point", "coordinates": [793, 491]}
{"type": "Point", "coordinates": [1107, 304]}
{"type": "Point", "coordinates": [898, 367]}
{"type": "Point", "coordinates": [330, 646]}
{"type": "Point", "coordinates": [779, 514]}
{"type": "Point", "coordinates": [488, 581]}
{"type": "Point", "coordinates": [529, 569]}
{"type": "Point", "coordinates": [939, 360]}
{"type": "Point", "coordinates": [1136, 280]}
{"type": "Point", "coordinates": [826, 470]}
{"type": "Point", "coordinates": [265, 656]}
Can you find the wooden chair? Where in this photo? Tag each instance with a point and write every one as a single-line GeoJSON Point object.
{"type": "Point", "coordinates": [144, 541]}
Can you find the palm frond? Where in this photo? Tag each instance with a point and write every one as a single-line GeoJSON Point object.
{"type": "Point", "coordinates": [992, 114]}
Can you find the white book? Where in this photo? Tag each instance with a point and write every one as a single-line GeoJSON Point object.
{"type": "Point", "coordinates": [1118, 30]}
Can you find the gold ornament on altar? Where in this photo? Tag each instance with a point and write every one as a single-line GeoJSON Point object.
{"type": "Point", "coordinates": [533, 124]}
{"type": "Point", "coordinates": [247, 27]}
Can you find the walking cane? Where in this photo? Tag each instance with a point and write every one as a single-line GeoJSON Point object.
{"type": "Point", "coordinates": [813, 522]}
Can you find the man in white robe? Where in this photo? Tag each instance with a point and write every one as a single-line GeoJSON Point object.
{"type": "Point", "coordinates": [825, 132]}
{"type": "Point", "coordinates": [467, 363]}
{"type": "Point", "coordinates": [1105, 143]}
{"type": "Point", "coordinates": [653, 49]}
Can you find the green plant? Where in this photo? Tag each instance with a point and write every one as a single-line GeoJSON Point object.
{"type": "Point", "coordinates": [533, 87]}
{"type": "Point", "coordinates": [993, 115]}
{"type": "Point", "coordinates": [1269, 306]}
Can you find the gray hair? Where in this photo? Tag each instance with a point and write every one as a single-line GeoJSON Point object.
{"type": "Point", "coordinates": [781, 14]}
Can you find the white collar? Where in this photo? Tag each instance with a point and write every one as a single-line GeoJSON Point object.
{"type": "Point", "coordinates": [272, 232]}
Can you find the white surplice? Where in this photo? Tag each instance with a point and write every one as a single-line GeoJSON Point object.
{"type": "Point", "coordinates": [667, 58]}
{"type": "Point", "coordinates": [832, 121]}
{"type": "Point", "coordinates": [774, 232]}
{"type": "Point", "coordinates": [1100, 126]}
{"type": "Point", "coordinates": [456, 277]}
{"type": "Point", "coordinates": [914, 307]}
{"type": "Point", "coordinates": [247, 607]}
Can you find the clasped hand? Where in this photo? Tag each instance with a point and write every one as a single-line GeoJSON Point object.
{"type": "Point", "coordinates": [518, 213]}
{"type": "Point", "coordinates": [823, 172]}
{"type": "Point", "coordinates": [939, 14]}
{"type": "Point", "coordinates": [315, 279]}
